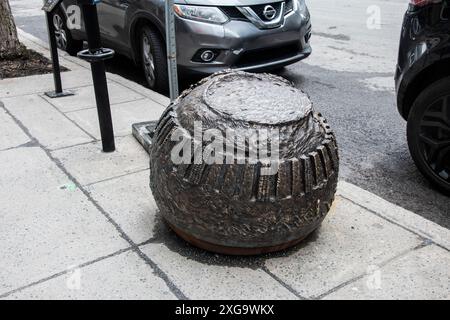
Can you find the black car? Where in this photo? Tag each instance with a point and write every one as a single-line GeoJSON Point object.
{"type": "Point", "coordinates": [423, 87]}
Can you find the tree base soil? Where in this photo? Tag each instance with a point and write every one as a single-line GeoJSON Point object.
{"type": "Point", "coordinates": [27, 63]}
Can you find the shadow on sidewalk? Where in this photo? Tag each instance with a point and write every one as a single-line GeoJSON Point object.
{"type": "Point", "coordinates": [164, 235]}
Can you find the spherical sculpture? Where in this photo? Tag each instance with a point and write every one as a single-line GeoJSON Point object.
{"type": "Point", "coordinates": [241, 164]}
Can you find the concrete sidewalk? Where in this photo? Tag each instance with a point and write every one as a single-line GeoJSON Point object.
{"type": "Point", "coordinates": [80, 224]}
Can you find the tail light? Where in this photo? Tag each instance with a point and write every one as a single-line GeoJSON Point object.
{"type": "Point", "coordinates": [422, 3]}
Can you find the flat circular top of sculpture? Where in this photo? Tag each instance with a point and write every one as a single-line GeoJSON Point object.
{"type": "Point", "coordinates": [256, 98]}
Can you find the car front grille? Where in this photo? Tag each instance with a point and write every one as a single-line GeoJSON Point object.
{"type": "Point", "coordinates": [266, 55]}
{"type": "Point", "coordinates": [234, 14]}
{"type": "Point", "coordinates": [259, 9]}
{"type": "Point", "coordinates": [289, 6]}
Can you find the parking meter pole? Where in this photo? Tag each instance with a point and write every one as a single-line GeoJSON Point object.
{"type": "Point", "coordinates": [54, 54]}
{"type": "Point", "coordinates": [49, 7]}
{"type": "Point", "coordinates": [96, 56]}
{"type": "Point", "coordinates": [171, 50]}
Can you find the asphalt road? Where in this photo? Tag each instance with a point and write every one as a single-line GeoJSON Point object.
{"type": "Point", "coordinates": [349, 77]}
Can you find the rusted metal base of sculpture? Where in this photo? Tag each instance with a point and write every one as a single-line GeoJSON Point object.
{"type": "Point", "coordinates": [233, 251]}
{"type": "Point", "coordinates": [242, 207]}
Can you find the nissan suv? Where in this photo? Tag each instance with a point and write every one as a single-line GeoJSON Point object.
{"type": "Point", "coordinates": [423, 87]}
{"type": "Point", "coordinates": [250, 35]}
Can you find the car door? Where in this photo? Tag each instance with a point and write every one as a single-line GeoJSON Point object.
{"type": "Point", "coordinates": [112, 17]}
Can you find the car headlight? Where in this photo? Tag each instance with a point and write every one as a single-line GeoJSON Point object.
{"type": "Point", "coordinates": [201, 13]}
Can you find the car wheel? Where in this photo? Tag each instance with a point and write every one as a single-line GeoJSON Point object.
{"type": "Point", "coordinates": [64, 39]}
{"type": "Point", "coordinates": [154, 60]}
{"type": "Point", "coordinates": [429, 133]}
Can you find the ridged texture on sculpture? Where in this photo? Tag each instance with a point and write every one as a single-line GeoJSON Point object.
{"type": "Point", "coordinates": [234, 208]}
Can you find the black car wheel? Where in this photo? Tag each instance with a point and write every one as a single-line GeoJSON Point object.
{"type": "Point", "coordinates": [154, 61]}
{"type": "Point", "coordinates": [429, 133]}
{"type": "Point", "coordinates": [64, 39]}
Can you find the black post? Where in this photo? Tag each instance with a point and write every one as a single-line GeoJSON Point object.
{"type": "Point", "coordinates": [54, 54]}
{"type": "Point", "coordinates": [96, 56]}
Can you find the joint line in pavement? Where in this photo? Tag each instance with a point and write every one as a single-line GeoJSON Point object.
{"type": "Point", "coordinates": [81, 266]}
{"type": "Point", "coordinates": [282, 283]}
{"type": "Point", "coordinates": [116, 177]}
{"type": "Point", "coordinates": [424, 244]}
{"type": "Point", "coordinates": [423, 238]}
{"type": "Point", "coordinates": [74, 145]}
{"type": "Point", "coordinates": [65, 116]}
{"type": "Point", "coordinates": [59, 274]}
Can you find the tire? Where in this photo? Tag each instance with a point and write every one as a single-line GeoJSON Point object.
{"type": "Point", "coordinates": [429, 134]}
{"type": "Point", "coordinates": [233, 208]}
{"type": "Point", "coordinates": [154, 60]}
{"type": "Point", "coordinates": [64, 38]}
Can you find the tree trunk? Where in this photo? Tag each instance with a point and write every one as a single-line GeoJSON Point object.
{"type": "Point", "coordinates": [10, 46]}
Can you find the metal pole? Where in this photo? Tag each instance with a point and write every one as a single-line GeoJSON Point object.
{"type": "Point", "coordinates": [55, 60]}
{"type": "Point", "coordinates": [171, 50]}
{"type": "Point", "coordinates": [54, 53]}
{"type": "Point", "coordinates": [98, 75]}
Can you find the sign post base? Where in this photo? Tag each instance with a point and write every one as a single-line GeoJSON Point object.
{"type": "Point", "coordinates": [54, 94]}
{"type": "Point", "coordinates": [143, 132]}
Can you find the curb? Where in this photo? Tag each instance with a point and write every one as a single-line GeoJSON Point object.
{"type": "Point", "coordinates": [395, 214]}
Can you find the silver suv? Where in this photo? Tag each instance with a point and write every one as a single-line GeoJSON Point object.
{"type": "Point", "coordinates": [251, 35]}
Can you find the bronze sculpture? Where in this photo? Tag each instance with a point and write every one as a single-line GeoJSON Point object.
{"type": "Point", "coordinates": [232, 200]}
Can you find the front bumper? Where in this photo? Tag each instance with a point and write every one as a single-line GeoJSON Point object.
{"type": "Point", "coordinates": [241, 45]}
{"type": "Point", "coordinates": [407, 59]}
{"type": "Point", "coordinates": [423, 40]}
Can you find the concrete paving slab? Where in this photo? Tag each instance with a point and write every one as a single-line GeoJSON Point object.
{"type": "Point", "coordinates": [421, 274]}
{"type": "Point", "coordinates": [85, 98]}
{"type": "Point", "coordinates": [45, 123]}
{"type": "Point", "coordinates": [396, 214]}
{"type": "Point", "coordinates": [202, 281]}
{"type": "Point", "coordinates": [122, 277]}
{"type": "Point", "coordinates": [124, 115]}
{"type": "Point", "coordinates": [11, 136]}
{"type": "Point", "coordinates": [152, 95]}
{"type": "Point", "coordinates": [43, 83]}
{"type": "Point", "coordinates": [88, 164]}
{"type": "Point", "coordinates": [350, 241]}
{"type": "Point", "coordinates": [47, 224]}
{"type": "Point", "coordinates": [129, 201]}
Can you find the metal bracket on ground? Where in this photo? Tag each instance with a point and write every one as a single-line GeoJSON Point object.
{"type": "Point", "coordinates": [143, 132]}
